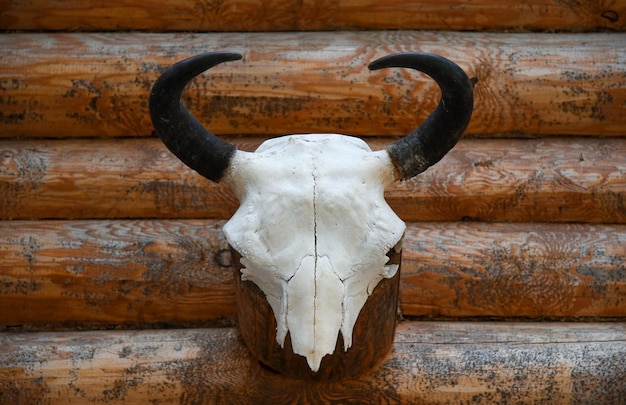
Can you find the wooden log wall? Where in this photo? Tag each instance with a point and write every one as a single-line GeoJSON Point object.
{"type": "Point", "coordinates": [313, 15]}
{"type": "Point", "coordinates": [178, 272]}
{"type": "Point", "coordinates": [527, 84]}
{"type": "Point", "coordinates": [102, 228]}
{"type": "Point", "coordinates": [433, 363]}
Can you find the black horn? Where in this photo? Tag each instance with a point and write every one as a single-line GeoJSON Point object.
{"type": "Point", "coordinates": [178, 129]}
{"type": "Point", "coordinates": [427, 144]}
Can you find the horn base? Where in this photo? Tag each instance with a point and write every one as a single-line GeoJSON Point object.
{"type": "Point", "coordinates": [372, 337]}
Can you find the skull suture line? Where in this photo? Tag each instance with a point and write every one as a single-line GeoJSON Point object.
{"type": "Point", "coordinates": [313, 227]}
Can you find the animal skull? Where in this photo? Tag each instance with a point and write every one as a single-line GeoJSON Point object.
{"type": "Point", "coordinates": [329, 188]}
{"type": "Point", "coordinates": [313, 227]}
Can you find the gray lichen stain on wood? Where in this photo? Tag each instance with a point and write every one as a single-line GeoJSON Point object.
{"type": "Point", "coordinates": [589, 95]}
{"type": "Point", "coordinates": [225, 365]}
{"type": "Point", "coordinates": [15, 388]}
{"type": "Point", "coordinates": [528, 283]}
{"type": "Point", "coordinates": [19, 111]}
{"type": "Point", "coordinates": [194, 268]}
{"type": "Point", "coordinates": [535, 271]}
{"type": "Point", "coordinates": [109, 103]}
{"type": "Point", "coordinates": [22, 172]}
{"type": "Point", "coordinates": [18, 286]}
{"type": "Point", "coordinates": [174, 265]}
{"type": "Point", "coordinates": [430, 374]}
{"type": "Point", "coordinates": [431, 363]}
{"type": "Point", "coordinates": [177, 198]}
{"type": "Point", "coordinates": [89, 94]}
{"type": "Point", "coordinates": [600, 379]}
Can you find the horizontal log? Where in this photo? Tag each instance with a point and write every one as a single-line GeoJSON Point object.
{"type": "Point", "coordinates": [523, 180]}
{"type": "Point", "coordinates": [98, 84]}
{"type": "Point", "coordinates": [62, 274]}
{"type": "Point", "coordinates": [522, 270]}
{"type": "Point", "coordinates": [292, 15]}
{"type": "Point", "coordinates": [435, 363]}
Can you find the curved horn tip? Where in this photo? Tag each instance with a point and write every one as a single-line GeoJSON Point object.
{"type": "Point", "coordinates": [404, 59]}
{"type": "Point", "coordinates": [211, 59]}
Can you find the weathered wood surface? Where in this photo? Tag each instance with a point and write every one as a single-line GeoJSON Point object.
{"type": "Point", "coordinates": [292, 15]}
{"type": "Point", "coordinates": [524, 180]}
{"type": "Point", "coordinates": [98, 84]}
{"type": "Point", "coordinates": [59, 274]}
{"type": "Point", "coordinates": [502, 270]}
{"type": "Point", "coordinates": [435, 363]}
{"type": "Point", "coordinates": [114, 273]}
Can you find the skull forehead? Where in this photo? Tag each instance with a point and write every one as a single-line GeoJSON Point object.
{"type": "Point", "coordinates": [325, 156]}
{"type": "Point", "coordinates": [320, 142]}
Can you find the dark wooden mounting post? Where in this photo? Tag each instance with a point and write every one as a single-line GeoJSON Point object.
{"type": "Point", "coordinates": [372, 336]}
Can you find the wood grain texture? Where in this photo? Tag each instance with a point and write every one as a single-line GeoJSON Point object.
{"type": "Point", "coordinates": [62, 274]}
{"type": "Point", "coordinates": [104, 179]}
{"type": "Point", "coordinates": [63, 84]}
{"type": "Point", "coordinates": [114, 273]}
{"type": "Point", "coordinates": [435, 363]}
{"type": "Point", "coordinates": [522, 180]}
{"type": "Point", "coordinates": [528, 270]}
{"type": "Point", "coordinates": [291, 15]}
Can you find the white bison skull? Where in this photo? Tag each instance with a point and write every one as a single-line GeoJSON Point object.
{"type": "Point", "coordinates": [313, 227]}
{"type": "Point", "coordinates": [313, 230]}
